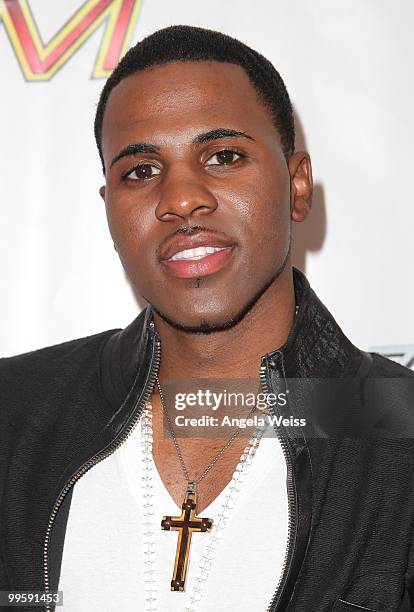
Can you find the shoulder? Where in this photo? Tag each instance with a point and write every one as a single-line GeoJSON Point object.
{"type": "Point", "coordinates": [383, 367]}
{"type": "Point", "coordinates": [389, 395]}
{"type": "Point", "coordinates": [47, 373]}
{"type": "Point", "coordinates": [69, 355]}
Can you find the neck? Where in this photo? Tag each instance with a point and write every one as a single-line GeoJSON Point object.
{"type": "Point", "coordinates": [235, 352]}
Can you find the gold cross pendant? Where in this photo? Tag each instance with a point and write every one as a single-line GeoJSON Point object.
{"type": "Point", "coordinates": [185, 524]}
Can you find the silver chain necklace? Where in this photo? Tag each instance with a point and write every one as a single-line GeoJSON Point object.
{"type": "Point", "coordinates": [215, 536]}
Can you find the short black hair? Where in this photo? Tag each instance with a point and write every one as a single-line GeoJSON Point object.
{"type": "Point", "coordinates": [183, 43]}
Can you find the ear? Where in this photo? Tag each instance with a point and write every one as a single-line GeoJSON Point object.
{"type": "Point", "coordinates": [102, 194]}
{"type": "Point", "coordinates": [300, 170]}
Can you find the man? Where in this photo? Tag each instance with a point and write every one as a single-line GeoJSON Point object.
{"type": "Point", "coordinates": [202, 182]}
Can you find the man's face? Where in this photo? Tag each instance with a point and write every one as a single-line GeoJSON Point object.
{"type": "Point", "coordinates": [198, 191]}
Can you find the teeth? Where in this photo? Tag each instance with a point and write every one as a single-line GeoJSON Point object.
{"type": "Point", "coordinates": [197, 253]}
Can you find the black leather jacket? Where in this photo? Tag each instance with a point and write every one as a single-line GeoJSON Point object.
{"type": "Point", "coordinates": [351, 498]}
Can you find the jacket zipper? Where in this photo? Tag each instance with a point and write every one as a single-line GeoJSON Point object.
{"type": "Point", "coordinates": [99, 457]}
{"type": "Point", "coordinates": [291, 492]}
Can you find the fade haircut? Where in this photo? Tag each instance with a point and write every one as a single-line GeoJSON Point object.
{"type": "Point", "coordinates": [182, 43]}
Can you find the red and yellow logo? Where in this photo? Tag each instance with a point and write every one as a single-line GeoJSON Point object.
{"type": "Point", "coordinates": [40, 61]}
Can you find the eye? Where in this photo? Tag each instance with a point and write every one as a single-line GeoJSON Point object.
{"type": "Point", "coordinates": [224, 158]}
{"type": "Point", "coordinates": [143, 172]}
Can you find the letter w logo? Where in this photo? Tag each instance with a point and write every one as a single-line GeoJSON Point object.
{"type": "Point", "coordinates": [40, 62]}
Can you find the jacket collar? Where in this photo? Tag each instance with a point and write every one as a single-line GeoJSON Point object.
{"type": "Point", "coordinates": [315, 347]}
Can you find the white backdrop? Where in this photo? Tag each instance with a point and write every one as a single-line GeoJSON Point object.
{"type": "Point", "coordinates": [348, 68]}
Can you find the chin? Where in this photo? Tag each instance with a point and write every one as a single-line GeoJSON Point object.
{"type": "Point", "coordinates": [204, 322]}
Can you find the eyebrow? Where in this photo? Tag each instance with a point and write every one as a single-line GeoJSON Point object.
{"type": "Point", "coordinates": [134, 149]}
{"type": "Point", "coordinates": [220, 133]}
{"type": "Point", "coordinates": [144, 147]}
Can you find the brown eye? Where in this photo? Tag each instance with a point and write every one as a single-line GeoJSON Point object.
{"type": "Point", "coordinates": [223, 158]}
{"type": "Point", "coordinates": [143, 172]}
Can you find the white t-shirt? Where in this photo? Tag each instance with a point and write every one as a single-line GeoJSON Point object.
{"type": "Point", "coordinates": [103, 561]}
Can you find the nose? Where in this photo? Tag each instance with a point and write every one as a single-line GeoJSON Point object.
{"type": "Point", "coordinates": [184, 195]}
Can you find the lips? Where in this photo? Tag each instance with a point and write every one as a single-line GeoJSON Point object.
{"type": "Point", "coordinates": [196, 255]}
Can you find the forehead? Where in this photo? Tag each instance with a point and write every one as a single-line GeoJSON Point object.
{"type": "Point", "coordinates": [183, 97]}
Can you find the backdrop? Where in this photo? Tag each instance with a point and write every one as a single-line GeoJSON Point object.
{"type": "Point", "coordinates": [348, 68]}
